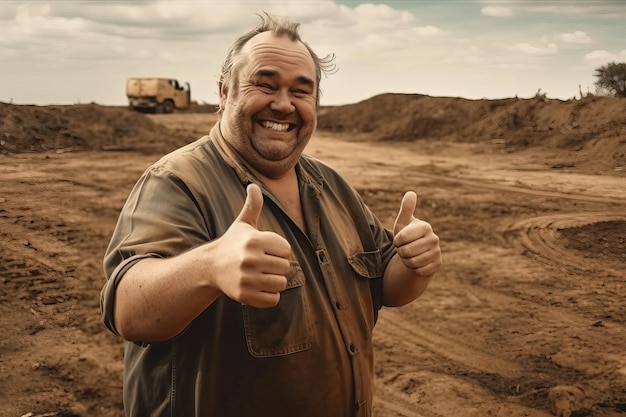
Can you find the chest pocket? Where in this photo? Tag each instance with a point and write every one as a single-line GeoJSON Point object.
{"type": "Point", "coordinates": [367, 268]}
{"type": "Point", "coordinates": [367, 264]}
{"type": "Point", "coordinates": [284, 329]}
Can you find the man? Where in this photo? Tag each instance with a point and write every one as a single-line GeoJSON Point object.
{"type": "Point", "coordinates": [245, 277]}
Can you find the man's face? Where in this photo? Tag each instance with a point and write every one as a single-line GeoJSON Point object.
{"type": "Point", "coordinates": [271, 114]}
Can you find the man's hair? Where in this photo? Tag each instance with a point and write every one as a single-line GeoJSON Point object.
{"type": "Point", "coordinates": [279, 26]}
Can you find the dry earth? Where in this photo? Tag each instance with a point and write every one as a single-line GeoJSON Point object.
{"type": "Point", "coordinates": [526, 318]}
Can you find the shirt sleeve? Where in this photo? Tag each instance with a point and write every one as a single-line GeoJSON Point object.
{"type": "Point", "coordinates": [384, 241]}
{"type": "Point", "coordinates": [161, 218]}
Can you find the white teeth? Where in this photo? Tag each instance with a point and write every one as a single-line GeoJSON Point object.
{"type": "Point", "coordinates": [279, 127]}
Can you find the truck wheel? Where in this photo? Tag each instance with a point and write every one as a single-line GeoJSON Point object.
{"type": "Point", "coordinates": [167, 106]}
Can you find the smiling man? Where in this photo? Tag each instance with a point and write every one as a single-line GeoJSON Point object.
{"type": "Point", "coordinates": [246, 277]}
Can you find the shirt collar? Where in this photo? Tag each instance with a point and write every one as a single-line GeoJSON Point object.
{"type": "Point", "coordinates": [306, 170]}
{"type": "Point", "coordinates": [229, 155]}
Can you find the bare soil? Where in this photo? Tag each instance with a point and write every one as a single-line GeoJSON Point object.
{"type": "Point", "coordinates": [526, 318]}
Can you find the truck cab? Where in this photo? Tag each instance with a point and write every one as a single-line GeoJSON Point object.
{"type": "Point", "coordinates": [157, 95]}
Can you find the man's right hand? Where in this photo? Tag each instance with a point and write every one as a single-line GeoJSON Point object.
{"type": "Point", "coordinates": [253, 264]}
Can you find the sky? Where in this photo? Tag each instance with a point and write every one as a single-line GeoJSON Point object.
{"type": "Point", "coordinates": [83, 51]}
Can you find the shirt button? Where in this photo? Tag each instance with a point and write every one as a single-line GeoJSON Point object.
{"type": "Point", "coordinates": [352, 348]}
{"type": "Point", "coordinates": [321, 256]}
{"type": "Point", "coordinates": [338, 305]}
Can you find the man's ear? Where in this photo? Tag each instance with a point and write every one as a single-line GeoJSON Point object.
{"type": "Point", "coordinates": [223, 95]}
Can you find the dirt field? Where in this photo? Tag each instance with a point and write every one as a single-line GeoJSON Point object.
{"type": "Point", "coordinates": [526, 318]}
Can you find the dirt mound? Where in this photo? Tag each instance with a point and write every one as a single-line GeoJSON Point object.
{"type": "Point", "coordinates": [78, 127]}
{"type": "Point", "coordinates": [591, 130]}
{"type": "Point", "coordinates": [595, 127]}
{"type": "Point", "coordinates": [606, 239]}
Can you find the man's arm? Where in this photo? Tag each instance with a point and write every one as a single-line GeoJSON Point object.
{"type": "Point", "coordinates": [158, 298]}
{"type": "Point", "coordinates": [418, 256]}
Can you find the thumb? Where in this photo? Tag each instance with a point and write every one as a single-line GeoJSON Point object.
{"type": "Point", "coordinates": [252, 207]}
{"type": "Point", "coordinates": [405, 215]}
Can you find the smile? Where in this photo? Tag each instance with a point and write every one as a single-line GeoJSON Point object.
{"type": "Point", "coordinates": [278, 127]}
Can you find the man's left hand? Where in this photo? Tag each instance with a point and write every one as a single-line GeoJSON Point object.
{"type": "Point", "coordinates": [416, 243]}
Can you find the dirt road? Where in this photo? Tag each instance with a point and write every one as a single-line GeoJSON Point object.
{"type": "Point", "coordinates": [526, 318]}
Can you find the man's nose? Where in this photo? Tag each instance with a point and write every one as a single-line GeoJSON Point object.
{"type": "Point", "coordinates": [282, 102]}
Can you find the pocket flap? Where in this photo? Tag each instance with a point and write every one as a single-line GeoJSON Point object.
{"type": "Point", "coordinates": [367, 264]}
{"type": "Point", "coordinates": [295, 277]}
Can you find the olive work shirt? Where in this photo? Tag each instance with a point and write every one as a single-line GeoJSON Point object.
{"type": "Point", "coordinates": [312, 354]}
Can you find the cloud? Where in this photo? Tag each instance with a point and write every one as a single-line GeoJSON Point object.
{"type": "Point", "coordinates": [599, 8]}
{"type": "Point", "coordinates": [367, 30]}
{"type": "Point", "coordinates": [578, 37]}
{"type": "Point", "coordinates": [497, 11]}
{"type": "Point", "coordinates": [602, 56]}
{"type": "Point", "coordinates": [526, 48]}
{"type": "Point", "coordinates": [428, 31]}
{"type": "Point", "coordinates": [613, 9]}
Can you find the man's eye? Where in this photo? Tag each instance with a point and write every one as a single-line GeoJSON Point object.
{"type": "Point", "coordinates": [301, 92]}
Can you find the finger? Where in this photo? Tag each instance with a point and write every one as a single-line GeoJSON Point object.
{"type": "Point", "coordinates": [252, 207]}
{"type": "Point", "coordinates": [412, 248]}
{"type": "Point", "coordinates": [276, 245]}
{"type": "Point", "coordinates": [416, 231]}
{"type": "Point", "coordinates": [405, 215]}
{"type": "Point", "coordinates": [264, 283]}
{"type": "Point", "coordinates": [261, 299]}
{"type": "Point", "coordinates": [422, 259]}
{"type": "Point", "coordinates": [427, 269]}
{"type": "Point", "coordinates": [263, 291]}
{"type": "Point", "coordinates": [274, 265]}
{"type": "Point", "coordinates": [274, 283]}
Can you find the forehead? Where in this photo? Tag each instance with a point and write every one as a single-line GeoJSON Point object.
{"type": "Point", "coordinates": [266, 50]}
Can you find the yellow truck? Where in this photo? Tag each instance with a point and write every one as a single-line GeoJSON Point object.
{"type": "Point", "coordinates": [158, 95]}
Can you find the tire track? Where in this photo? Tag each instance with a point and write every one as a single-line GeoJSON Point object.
{"type": "Point", "coordinates": [477, 353]}
{"type": "Point", "coordinates": [410, 160]}
{"type": "Point", "coordinates": [485, 184]}
{"type": "Point", "coordinates": [539, 236]}
{"type": "Point", "coordinates": [389, 398]}
{"type": "Point", "coordinates": [400, 327]}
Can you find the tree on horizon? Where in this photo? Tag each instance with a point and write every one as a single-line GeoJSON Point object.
{"type": "Point", "coordinates": [611, 79]}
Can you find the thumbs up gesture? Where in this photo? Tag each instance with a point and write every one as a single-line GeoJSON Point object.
{"type": "Point", "coordinates": [252, 263]}
{"type": "Point", "coordinates": [417, 245]}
